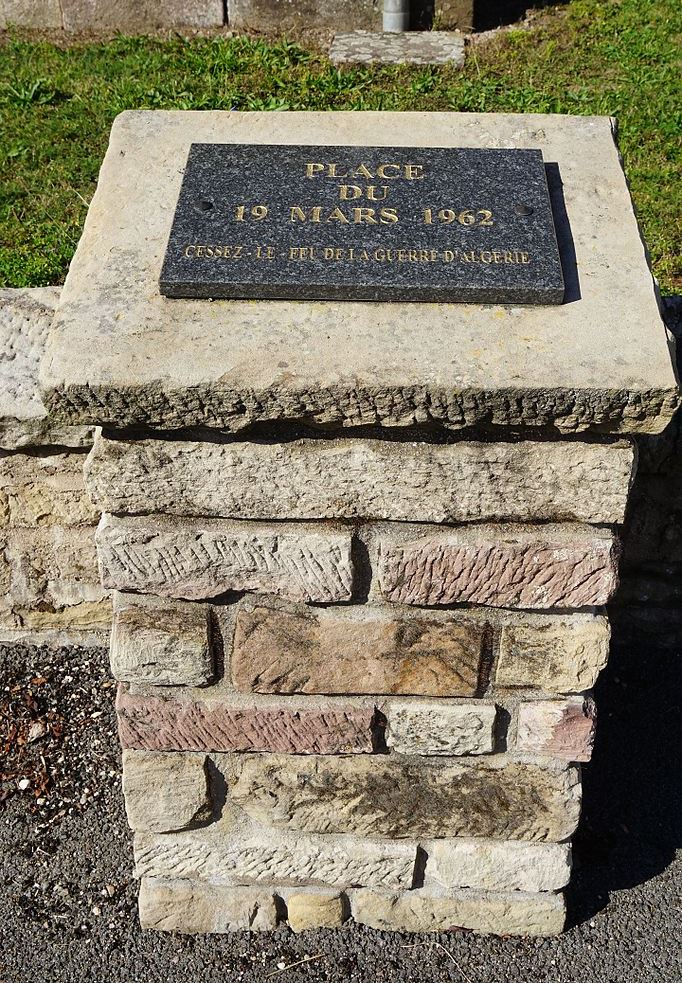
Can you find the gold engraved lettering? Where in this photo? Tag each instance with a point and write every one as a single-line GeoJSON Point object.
{"type": "Point", "coordinates": [483, 255]}
{"type": "Point", "coordinates": [388, 216]}
{"type": "Point", "coordinates": [487, 218]}
{"type": "Point", "coordinates": [372, 192]}
{"type": "Point", "coordinates": [414, 172]}
{"type": "Point", "coordinates": [363, 171]}
{"type": "Point", "coordinates": [525, 258]}
{"type": "Point", "coordinates": [337, 216]}
{"type": "Point", "coordinates": [364, 215]}
{"type": "Point", "coordinates": [347, 192]}
{"type": "Point", "coordinates": [189, 251]}
{"type": "Point", "coordinates": [332, 172]}
{"type": "Point", "coordinates": [383, 168]}
{"type": "Point", "coordinates": [312, 169]}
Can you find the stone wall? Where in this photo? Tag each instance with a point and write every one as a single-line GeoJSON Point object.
{"type": "Point", "coordinates": [51, 589]}
{"type": "Point", "coordinates": [262, 16]}
{"type": "Point", "coordinates": [355, 674]}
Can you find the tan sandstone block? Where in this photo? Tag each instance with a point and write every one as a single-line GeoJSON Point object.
{"type": "Point", "coordinates": [227, 853]}
{"type": "Point", "coordinates": [140, 15]}
{"type": "Point", "coordinates": [193, 559]}
{"type": "Point", "coordinates": [495, 913]}
{"type": "Point", "coordinates": [37, 15]}
{"type": "Point", "coordinates": [195, 908]}
{"type": "Point", "coordinates": [357, 650]}
{"type": "Point", "coordinates": [53, 567]}
{"type": "Point", "coordinates": [25, 319]}
{"type": "Point", "coordinates": [496, 865]}
{"type": "Point", "coordinates": [45, 490]}
{"type": "Point", "coordinates": [559, 728]}
{"type": "Point", "coordinates": [433, 727]}
{"type": "Point", "coordinates": [162, 643]}
{"type": "Point", "coordinates": [360, 478]}
{"type": "Point", "coordinates": [562, 656]}
{"type": "Point", "coordinates": [166, 724]}
{"type": "Point", "coordinates": [321, 910]}
{"type": "Point", "coordinates": [501, 566]}
{"type": "Point", "coordinates": [386, 796]}
{"type": "Point", "coordinates": [165, 791]}
{"type": "Point", "coordinates": [601, 363]}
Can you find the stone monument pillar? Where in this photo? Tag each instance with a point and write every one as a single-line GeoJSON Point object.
{"type": "Point", "coordinates": [359, 549]}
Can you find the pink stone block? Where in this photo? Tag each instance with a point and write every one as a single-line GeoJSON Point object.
{"type": "Point", "coordinates": [526, 571]}
{"type": "Point", "coordinates": [160, 724]}
{"type": "Point", "coordinates": [560, 728]}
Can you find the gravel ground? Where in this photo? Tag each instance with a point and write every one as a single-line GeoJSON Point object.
{"type": "Point", "coordinates": [67, 905]}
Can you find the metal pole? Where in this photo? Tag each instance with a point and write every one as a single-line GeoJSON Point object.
{"type": "Point", "coordinates": [396, 16]}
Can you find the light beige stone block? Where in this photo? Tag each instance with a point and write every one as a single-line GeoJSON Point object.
{"type": "Point", "coordinates": [359, 478]}
{"type": "Point", "coordinates": [434, 727]}
{"type": "Point", "coordinates": [494, 913]}
{"type": "Point", "coordinates": [165, 791]}
{"type": "Point", "coordinates": [224, 854]}
{"type": "Point", "coordinates": [44, 490]}
{"type": "Point", "coordinates": [496, 865]}
{"type": "Point", "coordinates": [53, 567]}
{"type": "Point", "coordinates": [25, 318]}
{"type": "Point", "coordinates": [321, 910]}
{"type": "Point", "coordinates": [140, 15]}
{"type": "Point", "coordinates": [355, 650]}
{"type": "Point", "coordinates": [559, 728]}
{"type": "Point", "coordinates": [552, 566]}
{"type": "Point", "coordinates": [399, 797]}
{"type": "Point", "coordinates": [193, 908]}
{"type": "Point", "coordinates": [162, 643]}
{"type": "Point", "coordinates": [561, 656]}
{"type": "Point", "coordinates": [34, 14]}
{"type": "Point", "coordinates": [598, 362]}
{"type": "Point", "coordinates": [195, 559]}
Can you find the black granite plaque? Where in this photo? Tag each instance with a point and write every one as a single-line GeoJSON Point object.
{"type": "Point", "coordinates": [364, 223]}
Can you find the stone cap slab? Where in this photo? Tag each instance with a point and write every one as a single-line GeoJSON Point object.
{"type": "Point", "coordinates": [121, 354]}
{"type": "Point", "coordinates": [25, 317]}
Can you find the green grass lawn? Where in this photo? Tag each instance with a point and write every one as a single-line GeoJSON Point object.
{"type": "Point", "coordinates": [615, 57]}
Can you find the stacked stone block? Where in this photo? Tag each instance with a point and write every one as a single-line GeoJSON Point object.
{"type": "Point", "coordinates": [360, 552]}
{"type": "Point", "coordinates": [355, 673]}
{"type": "Point", "coordinates": [50, 590]}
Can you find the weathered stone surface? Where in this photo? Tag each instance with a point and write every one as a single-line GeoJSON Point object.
{"type": "Point", "coordinates": [25, 317]}
{"type": "Point", "coordinates": [279, 857]}
{"type": "Point", "coordinates": [322, 910]}
{"type": "Point", "coordinates": [53, 567]}
{"type": "Point", "coordinates": [163, 643]}
{"type": "Point", "coordinates": [44, 490]}
{"type": "Point", "coordinates": [231, 363]}
{"type": "Point", "coordinates": [497, 913]}
{"type": "Point", "coordinates": [434, 727]}
{"type": "Point", "coordinates": [495, 865]}
{"type": "Point", "coordinates": [453, 15]}
{"type": "Point", "coordinates": [194, 560]}
{"type": "Point", "coordinates": [195, 908]}
{"type": "Point", "coordinates": [411, 797]}
{"type": "Point", "coordinates": [163, 724]}
{"type": "Point", "coordinates": [36, 14]}
{"type": "Point", "coordinates": [562, 656]}
{"type": "Point", "coordinates": [372, 479]}
{"type": "Point", "coordinates": [282, 16]}
{"type": "Point", "coordinates": [165, 791]}
{"type": "Point", "coordinates": [411, 48]}
{"type": "Point", "coordinates": [357, 650]}
{"type": "Point", "coordinates": [560, 728]}
{"type": "Point", "coordinates": [140, 15]}
{"type": "Point", "coordinates": [503, 566]}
